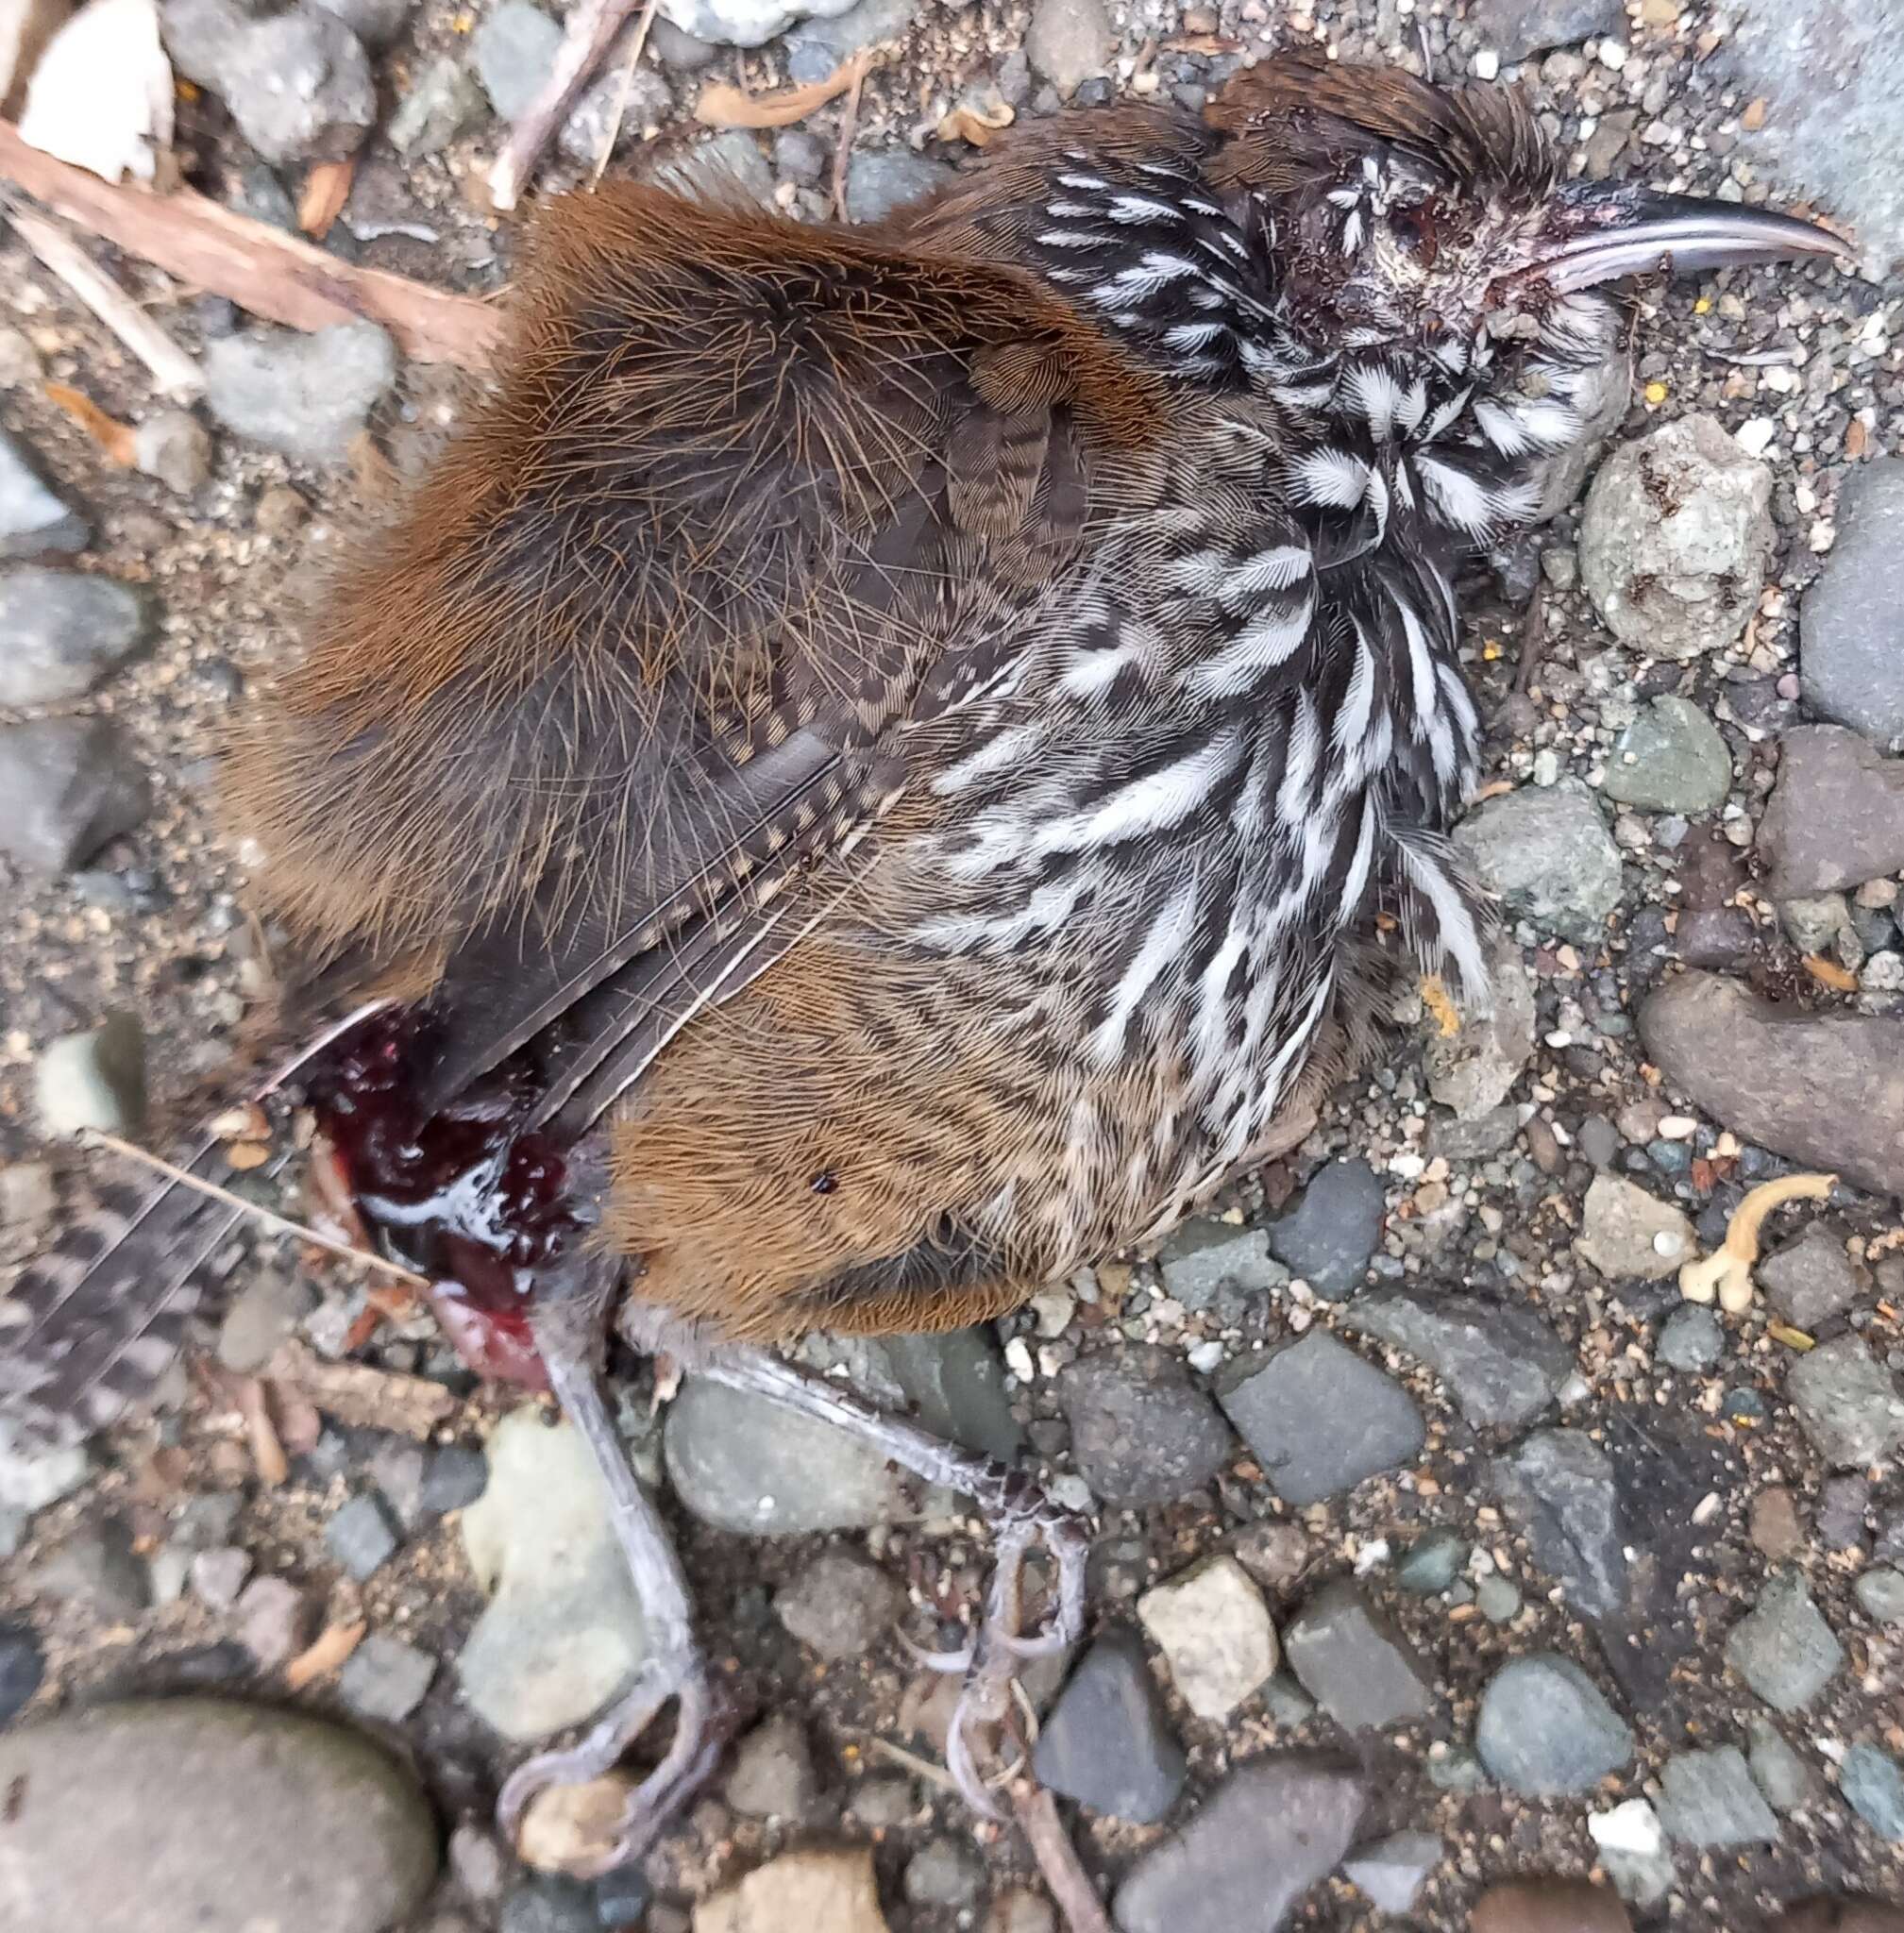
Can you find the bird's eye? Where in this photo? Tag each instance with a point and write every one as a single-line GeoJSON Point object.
{"type": "Point", "coordinates": [1414, 228]}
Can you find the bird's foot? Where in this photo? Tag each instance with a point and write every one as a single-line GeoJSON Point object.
{"type": "Point", "coordinates": [678, 1677]}
{"type": "Point", "coordinates": [993, 1703]}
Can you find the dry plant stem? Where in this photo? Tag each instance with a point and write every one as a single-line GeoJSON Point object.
{"type": "Point", "coordinates": [1726, 1272]}
{"type": "Point", "coordinates": [1065, 1878]}
{"type": "Point", "coordinates": [849, 121]}
{"type": "Point", "coordinates": [100, 1139]}
{"type": "Point", "coordinates": [591, 30]}
{"type": "Point", "coordinates": [276, 276]}
{"type": "Point", "coordinates": [635, 49]}
{"type": "Point", "coordinates": [175, 372]}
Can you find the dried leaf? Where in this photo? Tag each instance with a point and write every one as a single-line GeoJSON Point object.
{"type": "Point", "coordinates": [326, 188]}
{"type": "Point", "coordinates": [101, 96]}
{"type": "Point", "coordinates": [362, 1397]}
{"type": "Point", "coordinates": [1753, 117]}
{"type": "Point", "coordinates": [724, 105]}
{"type": "Point", "coordinates": [1857, 439]}
{"type": "Point", "coordinates": [976, 122]}
{"type": "Point", "coordinates": [1435, 998]}
{"type": "Point", "coordinates": [330, 1650]}
{"type": "Point", "coordinates": [243, 1156]}
{"type": "Point", "coordinates": [1792, 1338]}
{"type": "Point", "coordinates": [114, 437]}
{"type": "Point", "coordinates": [573, 1828]}
{"type": "Point", "coordinates": [1828, 973]}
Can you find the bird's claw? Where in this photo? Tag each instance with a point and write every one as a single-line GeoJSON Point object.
{"type": "Point", "coordinates": [700, 1733]}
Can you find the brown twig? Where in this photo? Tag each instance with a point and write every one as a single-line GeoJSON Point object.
{"type": "Point", "coordinates": [283, 1224]}
{"type": "Point", "coordinates": [637, 42]}
{"type": "Point", "coordinates": [273, 274]}
{"type": "Point", "coordinates": [591, 31]}
{"type": "Point", "coordinates": [849, 123]}
{"type": "Point", "coordinates": [333, 1647]}
{"type": "Point", "coordinates": [1065, 1878]}
{"type": "Point", "coordinates": [175, 372]}
{"type": "Point", "coordinates": [1533, 641]}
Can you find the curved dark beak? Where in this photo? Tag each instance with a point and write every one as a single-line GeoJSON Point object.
{"type": "Point", "coordinates": [1603, 233]}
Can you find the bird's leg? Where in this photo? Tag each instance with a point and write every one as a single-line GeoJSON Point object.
{"type": "Point", "coordinates": [1022, 1517]}
{"type": "Point", "coordinates": [569, 1331]}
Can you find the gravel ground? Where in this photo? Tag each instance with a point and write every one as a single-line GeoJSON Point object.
{"type": "Point", "coordinates": [1441, 1543]}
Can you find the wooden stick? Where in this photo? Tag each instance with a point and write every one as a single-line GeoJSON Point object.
{"type": "Point", "coordinates": [591, 30]}
{"type": "Point", "coordinates": [185, 1179]}
{"type": "Point", "coordinates": [276, 276]}
{"type": "Point", "coordinates": [175, 372]}
{"type": "Point", "coordinates": [849, 123]}
{"type": "Point", "coordinates": [1064, 1878]}
{"type": "Point", "coordinates": [636, 45]}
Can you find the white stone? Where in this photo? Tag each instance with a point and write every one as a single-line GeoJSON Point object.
{"type": "Point", "coordinates": [1215, 1633]}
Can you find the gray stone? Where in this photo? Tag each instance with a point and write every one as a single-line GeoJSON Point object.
{"type": "Point", "coordinates": [1329, 1235]}
{"type": "Point", "coordinates": [1500, 1360]}
{"type": "Point", "coordinates": [261, 1320]}
{"type": "Point", "coordinates": [1546, 851]}
{"type": "Point", "coordinates": [820, 44]}
{"type": "Point", "coordinates": [62, 633]}
{"type": "Point", "coordinates": [951, 1382]}
{"type": "Point", "coordinates": [22, 1666]}
{"type": "Point", "coordinates": [67, 785]}
{"type": "Point", "coordinates": [454, 1475]}
{"type": "Point", "coordinates": [176, 447]}
{"type": "Point", "coordinates": [1474, 1070]}
{"type": "Point", "coordinates": [218, 1576]}
{"type": "Point", "coordinates": [620, 106]}
{"type": "Point", "coordinates": [223, 1816]}
{"type": "Point", "coordinates": [738, 23]}
{"type": "Point", "coordinates": [1393, 1872]}
{"type": "Point", "coordinates": [1813, 1279]}
{"type": "Point", "coordinates": [1546, 1730]}
{"type": "Point", "coordinates": [1355, 1664]}
{"type": "Point", "coordinates": [35, 1474]}
{"type": "Point", "coordinates": [1708, 1799]}
{"type": "Point", "coordinates": [94, 1566]}
{"type": "Point", "coordinates": [33, 518]}
{"type": "Point", "coordinates": [1497, 1600]}
{"type": "Point", "coordinates": [562, 1633]}
{"type": "Point", "coordinates": [361, 1537]}
{"type": "Point", "coordinates": [1557, 1486]}
{"type": "Point", "coordinates": [548, 1904]}
{"type": "Point", "coordinates": [1848, 621]}
{"type": "Point", "coordinates": [945, 1874]}
{"type": "Point", "coordinates": [513, 52]}
{"type": "Point", "coordinates": [1632, 1848]}
{"type": "Point", "coordinates": [725, 169]}
{"type": "Point", "coordinates": [1318, 1419]}
{"type": "Point", "coordinates": [1626, 1232]}
{"type": "Point", "coordinates": [1107, 1743]}
{"type": "Point", "coordinates": [1846, 1402]}
{"type": "Point", "coordinates": [878, 180]}
{"type": "Point", "coordinates": [1671, 758]}
{"type": "Point", "coordinates": [1879, 1593]}
{"type": "Point", "coordinates": [1692, 1339]}
{"type": "Point", "coordinates": [296, 81]}
{"type": "Point", "coordinates": [1515, 28]}
{"type": "Point", "coordinates": [1777, 1771]}
{"type": "Point", "coordinates": [385, 1679]}
{"type": "Point", "coordinates": [1141, 1431]}
{"type": "Point", "coordinates": [1488, 1134]}
{"type": "Point", "coordinates": [1070, 41]}
{"type": "Point", "coordinates": [443, 102]}
{"type": "Point", "coordinates": [1675, 538]}
{"type": "Point", "coordinates": [1873, 1784]}
{"type": "Point", "coordinates": [1217, 1267]}
{"type": "Point", "coordinates": [305, 395]}
{"type": "Point", "coordinates": [1432, 1563]}
{"type": "Point", "coordinates": [1270, 1831]}
{"type": "Point", "coordinates": [273, 1620]}
{"type": "Point", "coordinates": [1783, 1648]}
{"type": "Point", "coordinates": [772, 1774]}
{"type": "Point", "coordinates": [376, 23]}
{"type": "Point", "coordinates": [1826, 1091]}
{"type": "Point", "coordinates": [94, 1080]}
{"type": "Point", "coordinates": [1831, 72]}
{"type": "Point", "coordinates": [1836, 817]}
{"type": "Point", "coordinates": [840, 1605]}
{"type": "Point", "coordinates": [395, 1471]}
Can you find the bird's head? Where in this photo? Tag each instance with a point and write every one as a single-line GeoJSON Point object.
{"type": "Point", "coordinates": [1402, 214]}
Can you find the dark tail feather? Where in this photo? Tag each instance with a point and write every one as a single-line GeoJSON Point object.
{"type": "Point", "coordinates": [98, 1318]}
{"type": "Point", "coordinates": [92, 1325]}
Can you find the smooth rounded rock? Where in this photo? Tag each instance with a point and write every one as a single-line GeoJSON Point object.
{"type": "Point", "coordinates": [1849, 620]}
{"type": "Point", "coordinates": [1141, 1431]}
{"type": "Point", "coordinates": [304, 394]}
{"type": "Point", "coordinates": [62, 631]}
{"type": "Point", "coordinates": [67, 785]}
{"type": "Point", "coordinates": [195, 1815]}
{"type": "Point", "coordinates": [1546, 1730]}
